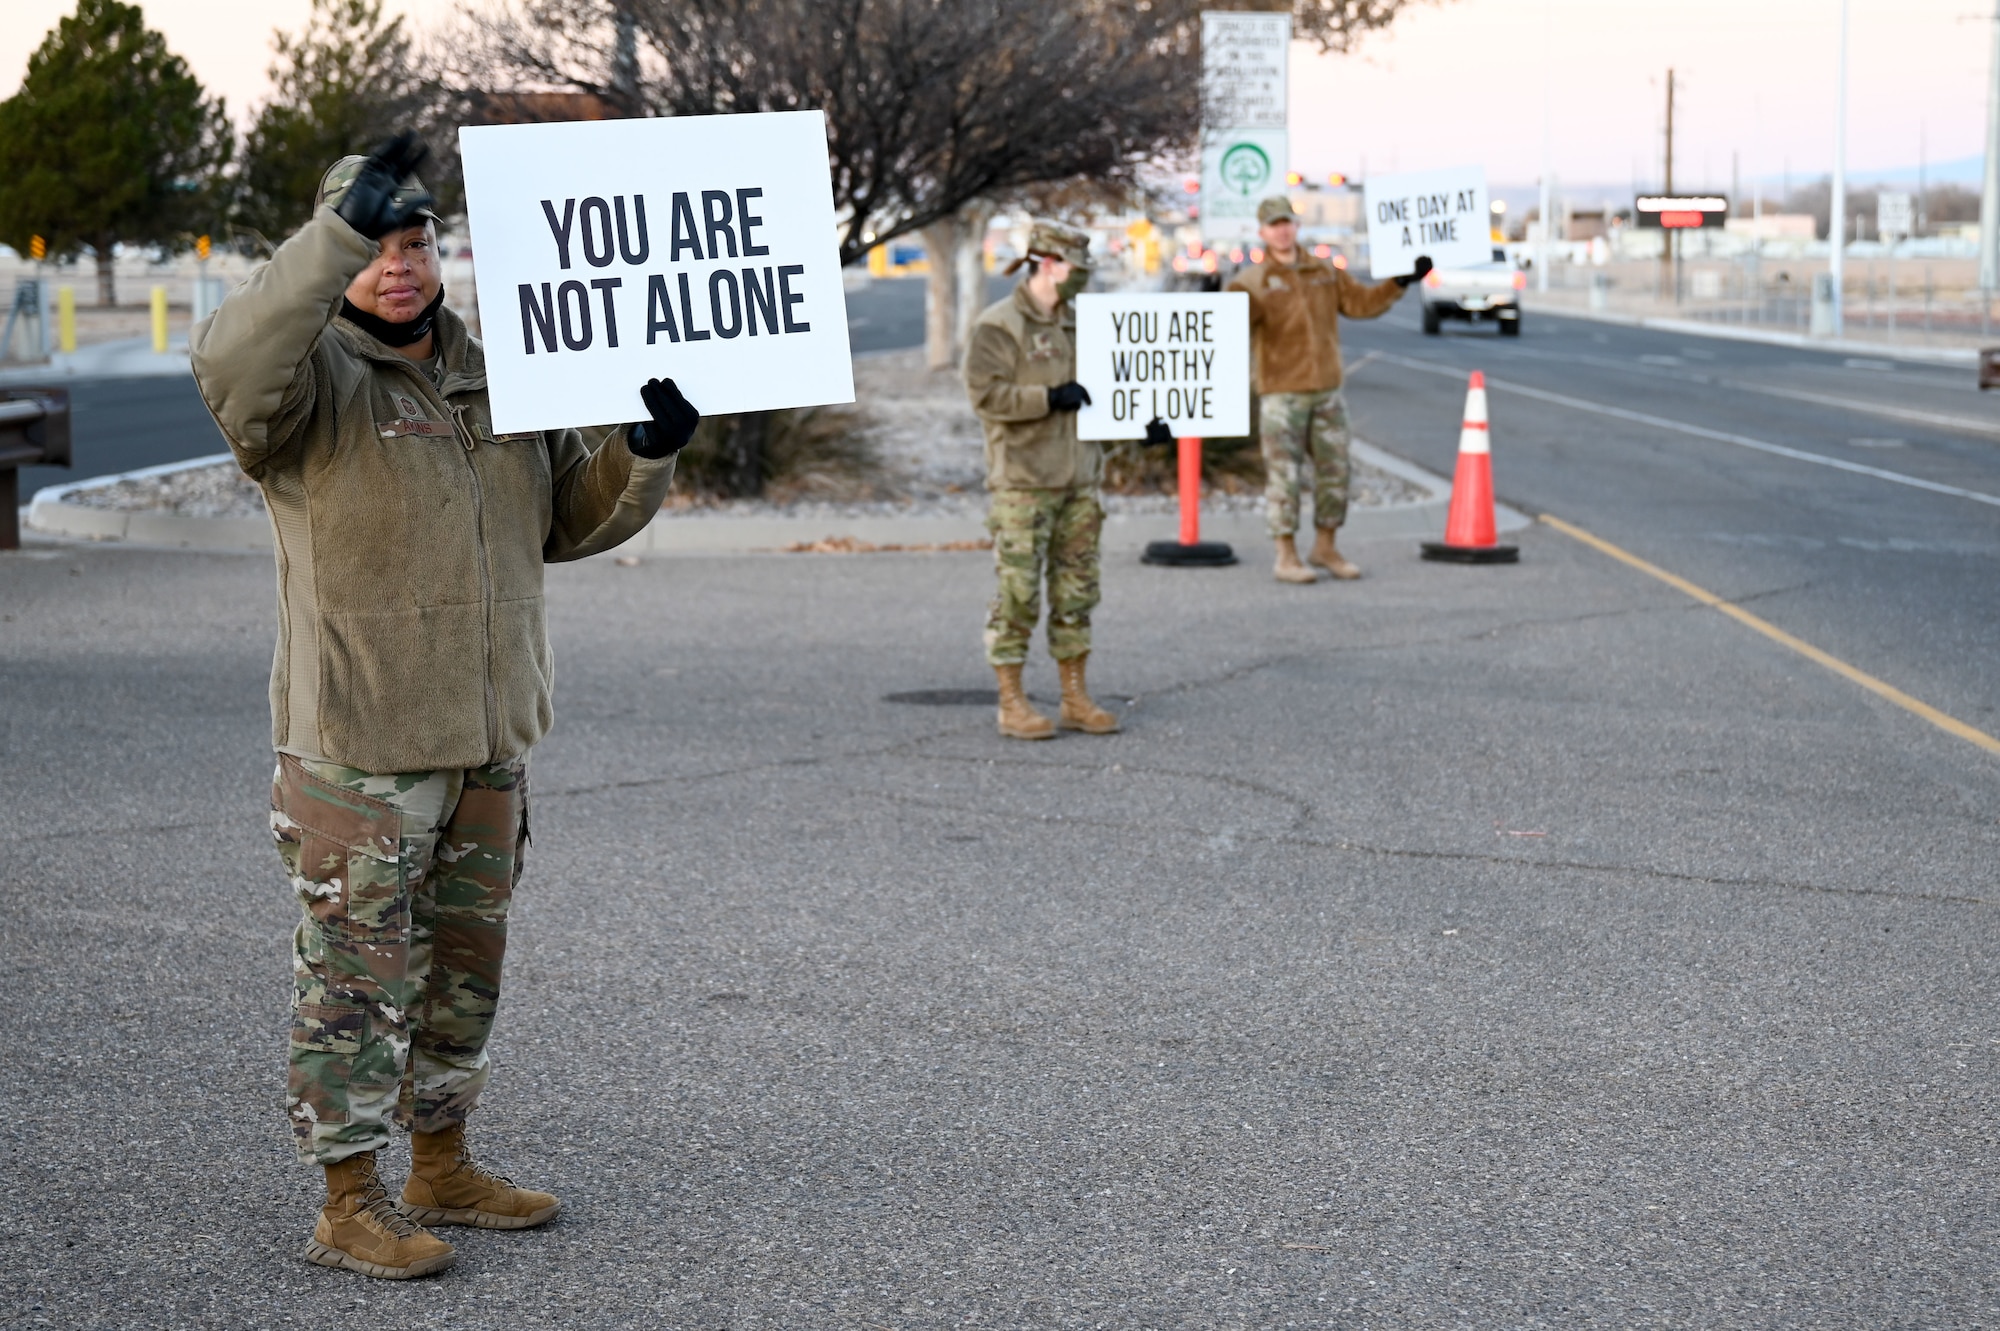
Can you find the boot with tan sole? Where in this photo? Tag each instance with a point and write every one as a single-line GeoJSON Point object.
{"type": "Point", "coordinates": [360, 1229]}
{"type": "Point", "coordinates": [1329, 558]}
{"type": "Point", "coordinates": [1078, 711]}
{"type": "Point", "coordinates": [1288, 568]}
{"type": "Point", "coordinates": [1018, 718]}
{"type": "Point", "coordinates": [447, 1188]}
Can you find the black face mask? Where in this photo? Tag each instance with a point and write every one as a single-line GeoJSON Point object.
{"type": "Point", "coordinates": [393, 335]}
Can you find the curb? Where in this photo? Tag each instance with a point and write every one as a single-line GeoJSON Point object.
{"type": "Point", "coordinates": [52, 518]}
{"type": "Point", "coordinates": [1769, 337]}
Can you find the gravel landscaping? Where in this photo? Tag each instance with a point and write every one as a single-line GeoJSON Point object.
{"type": "Point", "coordinates": [916, 422]}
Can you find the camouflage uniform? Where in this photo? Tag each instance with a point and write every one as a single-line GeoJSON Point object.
{"type": "Point", "coordinates": [1033, 530]}
{"type": "Point", "coordinates": [1044, 511]}
{"type": "Point", "coordinates": [1295, 314]}
{"type": "Point", "coordinates": [405, 880]}
{"type": "Point", "coordinates": [1300, 429]}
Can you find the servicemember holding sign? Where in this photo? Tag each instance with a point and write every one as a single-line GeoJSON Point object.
{"type": "Point", "coordinates": [411, 680]}
{"type": "Point", "coordinates": [1296, 300]}
{"type": "Point", "coordinates": [1020, 372]}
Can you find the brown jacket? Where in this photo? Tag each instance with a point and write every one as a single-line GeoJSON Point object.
{"type": "Point", "coordinates": [1016, 355]}
{"type": "Point", "coordinates": [410, 538]}
{"type": "Point", "coordinates": [1294, 324]}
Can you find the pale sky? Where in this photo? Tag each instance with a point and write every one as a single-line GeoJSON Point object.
{"type": "Point", "coordinates": [1462, 82]}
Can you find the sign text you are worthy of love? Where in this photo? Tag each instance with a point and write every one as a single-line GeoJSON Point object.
{"type": "Point", "coordinates": [697, 248]}
{"type": "Point", "coordinates": [1183, 357]}
{"type": "Point", "coordinates": [1443, 214]}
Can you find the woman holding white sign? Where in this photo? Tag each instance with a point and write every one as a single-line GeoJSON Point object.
{"type": "Point", "coordinates": [1020, 372]}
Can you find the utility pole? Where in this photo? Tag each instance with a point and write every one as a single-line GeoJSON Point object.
{"type": "Point", "coordinates": [1923, 166]}
{"type": "Point", "coordinates": [1836, 232]}
{"type": "Point", "coordinates": [625, 58]}
{"type": "Point", "coordinates": [1667, 270]}
{"type": "Point", "coordinates": [1542, 256]}
{"type": "Point", "coordinates": [1989, 199]}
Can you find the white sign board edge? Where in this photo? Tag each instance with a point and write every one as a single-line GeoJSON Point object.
{"type": "Point", "coordinates": [698, 176]}
{"type": "Point", "coordinates": [1184, 356]}
{"type": "Point", "coordinates": [1244, 63]}
{"type": "Point", "coordinates": [1441, 213]}
{"type": "Point", "coordinates": [1894, 213]}
{"type": "Point", "coordinates": [1239, 169]}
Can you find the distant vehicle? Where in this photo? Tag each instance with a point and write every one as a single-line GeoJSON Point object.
{"type": "Point", "coordinates": [1489, 291]}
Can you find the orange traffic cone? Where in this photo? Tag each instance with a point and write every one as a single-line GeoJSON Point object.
{"type": "Point", "coordinates": [1469, 532]}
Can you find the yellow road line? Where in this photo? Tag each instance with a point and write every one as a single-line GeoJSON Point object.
{"type": "Point", "coordinates": [1949, 724]}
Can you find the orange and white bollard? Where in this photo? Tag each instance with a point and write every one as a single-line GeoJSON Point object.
{"type": "Point", "coordinates": [1190, 550]}
{"type": "Point", "coordinates": [1470, 533]}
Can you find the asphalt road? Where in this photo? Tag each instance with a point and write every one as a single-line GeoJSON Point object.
{"type": "Point", "coordinates": [1510, 947]}
{"type": "Point", "coordinates": [1896, 579]}
{"type": "Point", "coordinates": [124, 424]}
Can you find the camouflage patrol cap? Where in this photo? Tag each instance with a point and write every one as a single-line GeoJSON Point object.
{"type": "Point", "coordinates": [1059, 242]}
{"type": "Point", "coordinates": [1277, 208]}
{"type": "Point", "coordinates": [334, 184]}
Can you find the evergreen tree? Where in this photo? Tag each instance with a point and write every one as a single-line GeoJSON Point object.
{"type": "Point", "coordinates": [340, 86]}
{"type": "Point", "coordinates": [109, 141]}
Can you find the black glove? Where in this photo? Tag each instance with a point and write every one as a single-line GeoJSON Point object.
{"type": "Point", "coordinates": [1416, 274]}
{"type": "Point", "coordinates": [1158, 434]}
{"type": "Point", "coordinates": [369, 205]}
{"type": "Point", "coordinates": [1068, 397]}
{"type": "Point", "coordinates": [674, 419]}
{"type": "Point", "coordinates": [1212, 282]}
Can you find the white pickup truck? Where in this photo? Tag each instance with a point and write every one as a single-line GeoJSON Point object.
{"type": "Point", "coordinates": [1482, 291]}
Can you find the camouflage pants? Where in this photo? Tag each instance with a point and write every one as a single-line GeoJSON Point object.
{"type": "Point", "coordinates": [1033, 531]}
{"type": "Point", "coordinates": [405, 880]}
{"type": "Point", "coordinates": [1297, 429]}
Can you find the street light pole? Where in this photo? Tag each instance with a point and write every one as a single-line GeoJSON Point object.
{"type": "Point", "coordinates": [1836, 234]}
{"type": "Point", "coordinates": [1542, 254]}
{"type": "Point", "coordinates": [1989, 199]}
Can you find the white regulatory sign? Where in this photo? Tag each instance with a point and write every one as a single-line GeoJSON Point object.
{"type": "Point", "coordinates": [1182, 357]}
{"type": "Point", "coordinates": [1243, 60]}
{"type": "Point", "coordinates": [697, 248]}
{"type": "Point", "coordinates": [1894, 213]}
{"type": "Point", "coordinates": [1439, 213]}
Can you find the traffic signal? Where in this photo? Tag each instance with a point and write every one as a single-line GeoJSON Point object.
{"type": "Point", "coordinates": [201, 248]}
{"type": "Point", "coordinates": [1336, 179]}
{"type": "Point", "coordinates": [38, 249]}
{"type": "Point", "coordinates": [1294, 179]}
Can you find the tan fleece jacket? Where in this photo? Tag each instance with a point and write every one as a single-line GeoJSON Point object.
{"type": "Point", "coordinates": [1295, 324]}
{"type": "Point", "coordinates": [1016, 355]}
{"type": "Point", "coordinates": [410, 538]}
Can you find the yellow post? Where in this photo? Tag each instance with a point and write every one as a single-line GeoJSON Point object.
{"type": "Point", "coordinates": [66, 318]}
{"type": "Point", "coordinates": [878, 261]}
{"type": "Point", "coordinates": [159, 318]}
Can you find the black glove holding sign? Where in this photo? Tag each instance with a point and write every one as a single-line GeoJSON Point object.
{"type": "Point", "coordinates": [1416, 273]}
{"type": "Point", "coordinates": [370, 205]}
{"type": "Point", "coordinates": [1071, 396]}
{"type": "Point", "coordinates": [674, 419]}
{"type": "Point", "coordinates": [1158, 433]}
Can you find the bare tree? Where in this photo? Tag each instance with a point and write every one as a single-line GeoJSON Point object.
{"type": "Point", "coordinates": [929, 103]}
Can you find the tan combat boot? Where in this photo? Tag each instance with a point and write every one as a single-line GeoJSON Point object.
{"type": "Point", "coordinates": [1018, 718]}
{"type": "Point", "coordinates": [1327, 557]}
{"type": "Point", "coordinates": [360, 1229]}
{"type": "Point", "coordinates": [447, 1188]}
{"type": "Point", "coordinates": [1288, 568]}
{"type": "Point", "coordinates": [1078, 711]}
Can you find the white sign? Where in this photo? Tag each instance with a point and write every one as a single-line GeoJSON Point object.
{"type": "Point", "coordinates": [1439, 213]}
{"type": "Point", "coordinates": [1894, 215]}
{"type": "Point", "coordinates": [696, 248]}
{"type": "Point", "coordinates": [1239, 169]}
{"type": "Point", "coordinates": [1183, 357]}
{"type": "Point", "coordinates": [1243, 59]}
